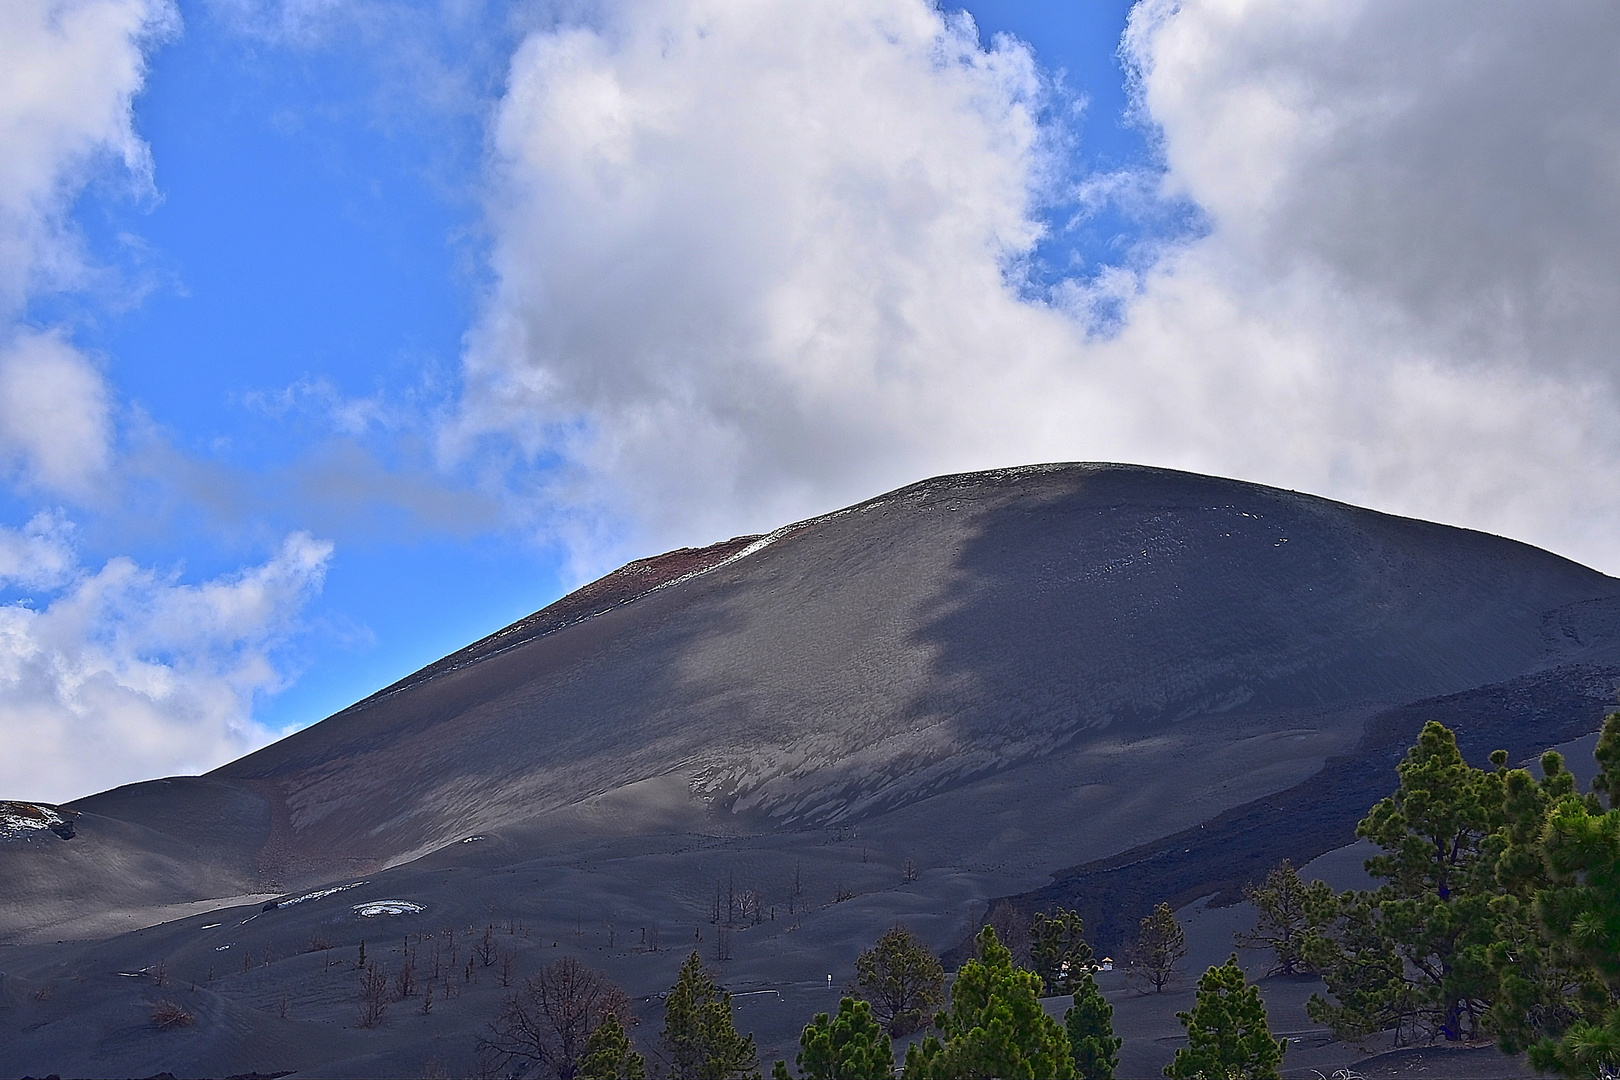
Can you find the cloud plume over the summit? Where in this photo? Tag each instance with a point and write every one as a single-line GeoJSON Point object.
{"type": "Point", "coordinates": [751, 257]}
{"type": "Point", "coordinates": [755, 260]}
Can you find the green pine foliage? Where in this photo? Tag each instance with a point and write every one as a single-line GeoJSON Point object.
{"type": "Point", "coordinates": [1160, 947]}
{"type": "Point", "coordinates": [1226, 1031]}
{"type": "Point", "coordinates": [1578, 909]}
{"type": "Point", "coordinates": [1499, 914]}
{"type": "Point", "coordinates": [1288, 910]}
{"type": "Point", "coordinates": [1542, 987]}
{"type": "Point", "coordinates": [1058, 950]}
{"type": "Point", "coordinates": [699, 1036]}
{"type": "Point", "coordinates": [1414, 955]}
{"type": "Point", "coordinates": [609, 1055]}
{"type": "Point", "coordinates": [849, 1046]}
{"type": "Point", "coordinates": [902, 980]}
{"type": "Point", "coordinates": [1090, 1026]}
{"type": "Point", "coordinates": [994, 1027]}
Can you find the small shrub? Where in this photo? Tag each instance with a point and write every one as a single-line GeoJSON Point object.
{"type": "Point", "coordinates": [168, 1014]}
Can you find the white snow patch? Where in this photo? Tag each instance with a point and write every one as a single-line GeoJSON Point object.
{"type": "Point", "coordinates": [318, 893]}
{"type": "Point", "coordinates": [387, 907]}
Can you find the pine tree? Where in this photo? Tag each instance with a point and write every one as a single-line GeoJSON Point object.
{"type": "Point", "coordinates": [1542, 987]}
{"type": "Point", "coordinates": [1160, 948]}
{"type": "Point", "coordinates": [609, 1055]}
{"type": "Point", "coordinates": [850, 1046]}
{"type": "Point", "coordinates": [902, 980]}
{"type": "Point", "coordinates": [1579, 911]}
{"type": "Point", "coordinates": [1288, 910]}
{"type": "Point", "coordinates": [1415, 953]}
{"type": "Point", "coordinates": [1090, 1024]}
{"type": "Point", "coordinates": [995, 1026]}
{"type": "Point", "coordinates": [1226, 1031]}
{"type": "Point", "coordinates": [1058, 950]}
{"type": "Point", "coordinates": [699, 1034]}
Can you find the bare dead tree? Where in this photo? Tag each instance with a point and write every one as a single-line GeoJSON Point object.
{"type": "Point", "coordinates": [748, 907]}
{"type": "Point", "coordinates": [909, 871]}
{"type": "Point", "coordinates": [506, 969]}
{"type": "Point", "coordinates": [405, 981]}
{"type": "Point", "coordinates": [484, 950]}
{"type": "Point", "coordinates": [722, 943]}
{"type": "Point", "coordinates": [549, 1019]}
{"type": "Point", "coordinates": [373, 995]}
{"type": "Point", "coordinates": [652, 936]}
{"type": "Point", "coordinates": [1012, 930]}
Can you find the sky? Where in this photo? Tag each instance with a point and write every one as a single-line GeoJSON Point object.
{"type": "Point", "coordinates": [336, 334]}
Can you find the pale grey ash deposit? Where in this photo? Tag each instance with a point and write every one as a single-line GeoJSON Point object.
{"type": "Point", "coordinates": [1091, 684]}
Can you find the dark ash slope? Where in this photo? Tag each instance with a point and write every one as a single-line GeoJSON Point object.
{"type": "Point", "coordinates": [864, 660]}
{"type": "Point", "coordinates": [867, 658]}
{"type": "Point", "coordinates": [990, 677]}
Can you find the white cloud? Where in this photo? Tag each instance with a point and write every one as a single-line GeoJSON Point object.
{"type": "Point", "coordinates": [69, 72]}
{"type": "Point", "coordinates": [55, 430]}
{"type": "Point", "coordinates": [121, 673]}
{"type": "Point", "coordinates": [39, 555]}
{"type": "Point", "coordinates": [1408, 287]}
{"type": "Point", "coordinates": [129, 673]}
{"type": "Point", "coordinates": [750, 256]}
{"type": "Point", "coordinates": [751, 263]}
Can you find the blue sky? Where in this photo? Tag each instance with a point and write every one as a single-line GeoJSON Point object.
{"type": "Point", "coordinates": [378, 355]}
{"type": "Point", "coordinates": [303, 238]}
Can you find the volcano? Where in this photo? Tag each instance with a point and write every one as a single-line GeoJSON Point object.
{"type": "Point", "coordinates": [1096, 685]}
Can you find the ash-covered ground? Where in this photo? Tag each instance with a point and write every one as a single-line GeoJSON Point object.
{"type": "Point", "coordinates": [1096, 685]}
